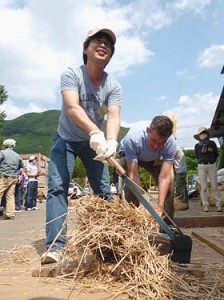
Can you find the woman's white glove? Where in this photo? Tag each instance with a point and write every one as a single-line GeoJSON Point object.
{"type": "Point", "coordinates": [97, 142]}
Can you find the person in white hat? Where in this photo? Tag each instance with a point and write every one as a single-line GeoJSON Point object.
{"type": "Point", "coordinates": [32, 185]}
{"type": "Point", "coordinates": [207, 153]}
{"type": "Point", "coordinates": [88, 94]}
{"type": "Point", "coordinates": [10, 162]}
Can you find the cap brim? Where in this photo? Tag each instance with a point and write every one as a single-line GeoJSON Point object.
{"type": "Point", "coordinates": [104, 30]}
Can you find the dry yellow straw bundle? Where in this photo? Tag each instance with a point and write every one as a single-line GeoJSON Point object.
{"type": "Point", "coordinates": [117, 237]}
{"type": "Point", "coordinates": [110, 246]}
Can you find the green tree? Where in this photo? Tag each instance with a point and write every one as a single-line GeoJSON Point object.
{"type": "Point", "coordinates": [190, 153]}
{"type": "Point", "coordinates": [3, 94]}
{"type": "Point", "coordinates": [192, 166]}
{"type": "Point", "coordinates": [79, 172]}
{"type": "Point", "coordinates": [3, 98]}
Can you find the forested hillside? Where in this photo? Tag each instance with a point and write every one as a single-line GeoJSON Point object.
{"type": "Point", "coordinates": [34, 132]}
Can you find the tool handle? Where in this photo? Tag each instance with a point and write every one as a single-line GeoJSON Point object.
{"type": "Point", "coordinates": [114, 163]}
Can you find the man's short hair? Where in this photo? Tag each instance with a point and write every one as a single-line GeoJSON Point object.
{"type": "Point", "coordinates": [163, 125]}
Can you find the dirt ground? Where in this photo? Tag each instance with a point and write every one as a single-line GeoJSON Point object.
{"type": "Point", "coordinates": [22, 243]}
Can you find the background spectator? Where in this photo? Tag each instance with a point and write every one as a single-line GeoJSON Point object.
{"type": "Point", "coordinates": [20, 189]}
{"type": "Point", "coordinates": [207, 153]}
{"type": "Point", "coordinates": [32, 185]}
{"type": "Point", "coordinates": [180, 168]}
{"type": "Point", "coordinates": [10, 162]}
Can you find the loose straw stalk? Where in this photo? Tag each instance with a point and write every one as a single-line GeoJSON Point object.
{"type": "Point", "coordinates": [113, 243]}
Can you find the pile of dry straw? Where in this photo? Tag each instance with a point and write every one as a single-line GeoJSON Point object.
{"type": "Point", "coordinates": [110, 245]}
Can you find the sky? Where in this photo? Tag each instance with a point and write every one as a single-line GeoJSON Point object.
{"type": "Point", "coordinates": [168, 56]}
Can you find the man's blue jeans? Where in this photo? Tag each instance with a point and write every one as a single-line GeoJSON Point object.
{"type": "Point", "coordinates": [62, 163]}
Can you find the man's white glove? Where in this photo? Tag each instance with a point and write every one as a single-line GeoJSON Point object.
{"type": "Point", "coordinates": [111, 148]}
{"type": "Point", "coordinates": [97, 142]}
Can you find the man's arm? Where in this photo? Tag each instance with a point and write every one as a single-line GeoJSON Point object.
{"type": "Point", "coordinates": [133, 172]}
{"type": "Point", "coordinates": [164, 181]}
{"type": "Point", "coordinates": [76, 112]}
{"type": "Point", "coordinates": [1, 156]}
{"type": "Point", "coordinates": [21, 164]}
{"type": "Point", "coordinates": [113, 122]}
{"type": "Point", "coordinates": [215, 150]}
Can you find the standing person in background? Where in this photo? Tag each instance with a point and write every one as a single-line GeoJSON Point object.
{"type": "Point", "coordinates": [154, 149]}
{"type": "Point", "coordinates": [88, 94]}
{"type": "Point", "coordinates": [19, 191]}
{"type": "Point", "coordinates": [10, 162]}
{"type": "Point", "coordinates": [207, 153]}
{"type": "Point", "coordinates": [32, 185]}
{"type": "Point", "coordinates": [180, 168]}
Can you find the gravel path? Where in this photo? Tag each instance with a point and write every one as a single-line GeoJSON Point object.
{"type": "Point", "coordinates": [27, 227]}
